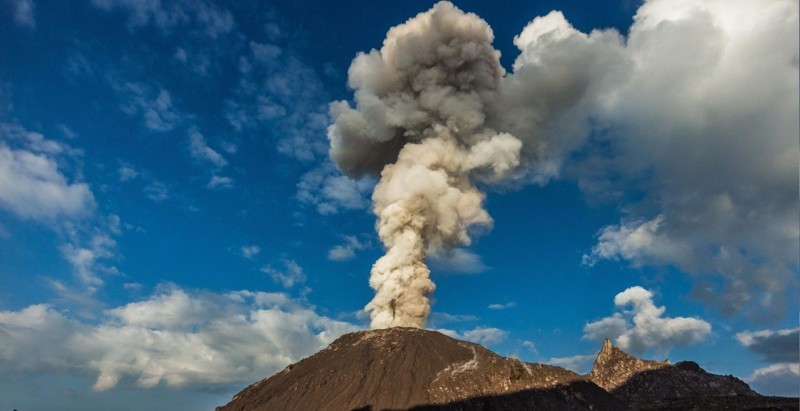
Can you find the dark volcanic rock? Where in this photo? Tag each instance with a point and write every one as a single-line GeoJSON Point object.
{"type": "Point", "coordinates": [724, 404]}
{"type": "Point", "coordinates": [402, 368]}
{"type": "Point", "coordinates": [577, 395]}
{"type": "Point", "coordinates": [640, 382]}
{"type": "Point", "coordinates": [672, 382]}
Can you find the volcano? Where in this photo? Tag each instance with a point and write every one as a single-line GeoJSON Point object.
{"type": "Point", "coordinates": [410, 368]}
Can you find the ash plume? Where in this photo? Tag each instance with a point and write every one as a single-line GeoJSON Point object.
{"type": "Point", "coordinates": [421, 123]}
{"type": "Point", "coordinates": [645, 121]}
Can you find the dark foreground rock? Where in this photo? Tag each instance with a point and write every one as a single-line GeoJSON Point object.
{"type": "Point", "coordinates": [724, 404]}
{"type": "Point", "coordinates": [408, 368]}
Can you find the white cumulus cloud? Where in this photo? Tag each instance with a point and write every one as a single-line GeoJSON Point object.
{"type": "Point", "coordinates": [649, 328]}
{"type": "Point", "coordinates": [707, 177]}
{"type": "Point", "coordinates": [175, 338]}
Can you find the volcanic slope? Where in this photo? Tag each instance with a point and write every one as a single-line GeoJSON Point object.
{"type": "Point", "coordinates": [410, 368]}
{"type": "Point", "coordinates": [402, 368]}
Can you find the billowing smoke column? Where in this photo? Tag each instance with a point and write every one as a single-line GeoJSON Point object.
{"type": "Point", "coordinates": [645, 120]}
{"type": "Point", "coordinates": [421, 122]}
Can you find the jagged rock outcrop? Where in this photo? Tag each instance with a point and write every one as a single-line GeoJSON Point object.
{"type": "Point", "coordinates": [613, 367]}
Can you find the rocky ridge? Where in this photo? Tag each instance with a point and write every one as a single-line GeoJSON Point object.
{"type": "Point", "coordinates": [640, 382]}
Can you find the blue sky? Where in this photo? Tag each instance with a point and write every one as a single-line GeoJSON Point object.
{"type": "Point", "coordinates": [172, 227]}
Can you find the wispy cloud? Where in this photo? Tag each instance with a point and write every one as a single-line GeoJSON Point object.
{"type": "Point", "coordinates": [530, 346]}
{"type": "Point", "coordinates": [24, 13]}
{"type": "Point", "coordinates": [200, 151]}
{"type": "Point", "coordinates": [346, 251]}
{"type": "Point", "coordinates": [456, 261]}
{"type": "Point", "coordinates": [157, 191]}
{"type": "Point", "coordinates": [201, 15]}
{"type": "Point", "coordinates": [330, 192]}
{"type": "Point", "coordinates": [204, 155]}
{"type": "Point", "coordinates": [197, 61]}
{"type": "Point", "coordinates": [127, 172]}
{"type": "Point", "coordinates": [250, 251]}
{"type": "Point", "coordinates": [76, 65]}
{"type": "Point", "coordinates": [153, 104]}
{"type": "Point", "coordinates": [290, 275]}
{"type": "Point", "coordinates": [282, 96]}
{"type": "Point", "coordinates": [86, 259]}
{"type": "Point", "coordinates": [510, 304]}
{"type": "Point", "coordinates": [438, 319]}
{"type": "Point", "coordinates": [33, 185]}
{"type": "Point", "coordinates": [220, 182]}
